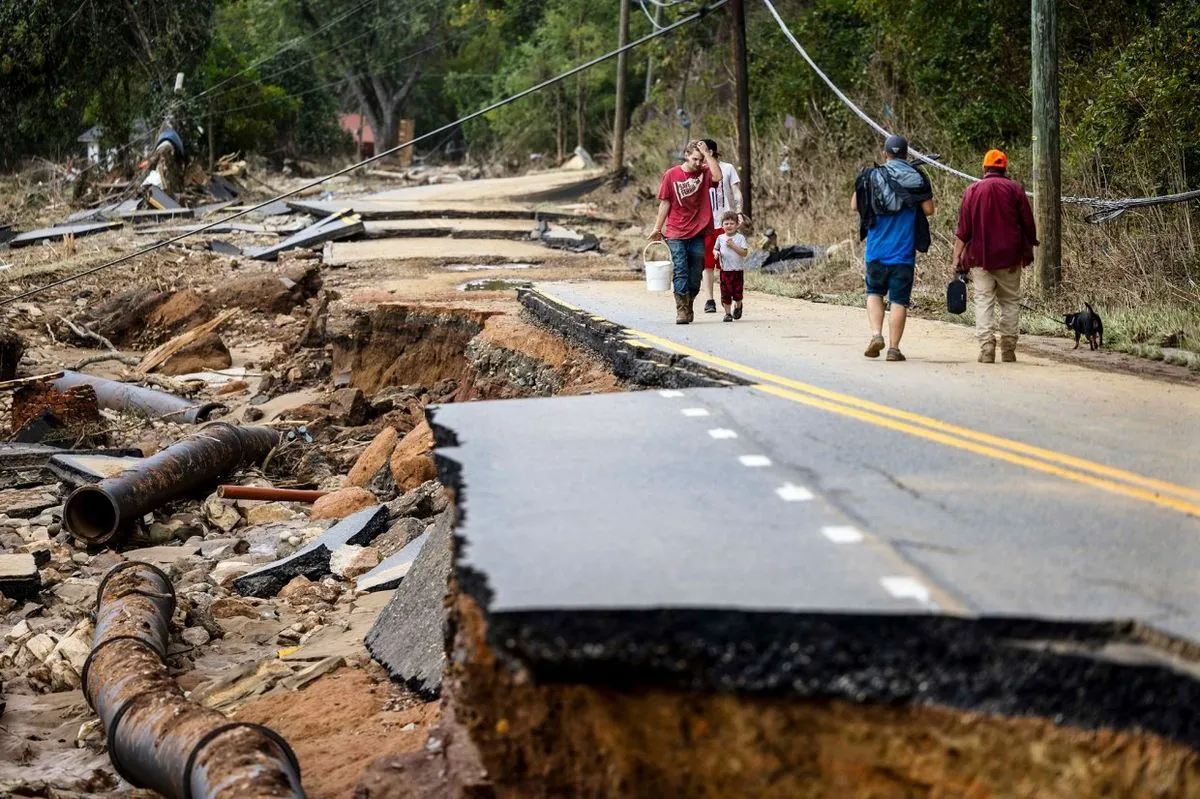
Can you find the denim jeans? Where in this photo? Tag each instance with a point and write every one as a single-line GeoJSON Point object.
{"type": "Point", "coordinates": [687, 256]}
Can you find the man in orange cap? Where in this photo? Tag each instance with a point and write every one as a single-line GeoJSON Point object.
{"type": "Point", "coordinates": [995, 236]}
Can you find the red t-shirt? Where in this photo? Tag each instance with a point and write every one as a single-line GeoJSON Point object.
{"type": "Point", "coordinates": [691, 212]}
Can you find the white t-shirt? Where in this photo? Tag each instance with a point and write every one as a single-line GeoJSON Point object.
{"type": "Point", "coordinates": [721, 195]}
{"type": "Point", "coordinates": [730, 260]}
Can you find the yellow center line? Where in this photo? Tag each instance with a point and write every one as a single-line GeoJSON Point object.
{"type": "Point", "coordinates": [1149, 489]}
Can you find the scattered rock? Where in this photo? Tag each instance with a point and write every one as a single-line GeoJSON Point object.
{"type": "Point", "coordinates": [229, 607]}
{"type": "Point", "coordinates": [227, 571]}
{"type": "Point", "coordinates": [195, 636]}
{"type": "Point", "coordinates": [405, 530]}
{"type": "Point", "coordinates": [350, 406]}
{"type": "Point", "coordinates": [303, 591]}
{"type": "Point", "coordinates": [268, 513]}
{"type": "Point", "coordinates": [221, 513]}
{"type": "Point", "coordinates": [411, 461]}
{"type": "Point", "coordinates": [208, 352]}
{"type": "Point", "coordinates": [427, 499]}
{"type": "Point", "coordinates": [234, 387]}
{"type": "Point", "coordinates": [343, 503]}
{"type": "Point", "coordinates": [350, 561]}
{"type": "Point", "coordinates": [373, 458]}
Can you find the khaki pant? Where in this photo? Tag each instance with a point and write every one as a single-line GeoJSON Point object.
{"type": "Point", "coordinates": [997, 294]}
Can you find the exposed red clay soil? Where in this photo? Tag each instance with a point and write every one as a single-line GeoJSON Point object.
{"type": "Point", "coordinates": [342, 722]}
{"type": "Point", "coordinates": [582, 741]}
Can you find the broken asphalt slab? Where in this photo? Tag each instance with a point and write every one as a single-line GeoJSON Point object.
{"type": "Point", "coordinates": [75, 470]}
{"type": "Point", "coordinates": [410, 636]}
{"type": "Point", "coordinates": [312, 561]}
{"type": "Point", "coordinates": [456, 249]}
{"type": "Point", "coordinates": [19, 577]}
{"type": "Point", "coordinates": [392, 571]}
{"type": "Point", "coordinates": [660, 589]}
{"type": "Point", "coordinates": [373, 210]}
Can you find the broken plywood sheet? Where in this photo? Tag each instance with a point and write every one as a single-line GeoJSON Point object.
{"type": "Point", "coordinates": [57, 233]}
{"type": "Point", "coordinates": [491, 250]}
{"type": "Point", "coordinates": [342, 225]}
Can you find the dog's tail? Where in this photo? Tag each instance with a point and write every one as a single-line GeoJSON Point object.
{"type": "Point", "coordinates": [1088, 305]}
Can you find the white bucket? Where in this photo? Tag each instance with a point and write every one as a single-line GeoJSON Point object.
{"type": "Point", "coordinates": [658, 273]}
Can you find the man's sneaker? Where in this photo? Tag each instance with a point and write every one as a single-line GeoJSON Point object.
{"type": "Point", "coordinates": [710, 306]}
{"type": "Point", "coordinates": [728, 318]}
{"type": "Point", "coordinates": [895, 355]}
{"type": "Point", "coordinates": [875, 347]}
{"type": "Point", "coordinates": [737, 311]}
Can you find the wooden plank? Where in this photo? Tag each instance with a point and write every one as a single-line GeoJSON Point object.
{"type": "Point", "coordinates": [158, 355]}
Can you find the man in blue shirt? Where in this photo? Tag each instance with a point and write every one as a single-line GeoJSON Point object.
{"type": "Point", "coordinates": [891, 233]}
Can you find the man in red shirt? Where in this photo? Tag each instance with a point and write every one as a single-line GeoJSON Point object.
{"type": "Point", "coordinates": [685, 217]}
{"type": "Point", "coordinates": [996, 233]}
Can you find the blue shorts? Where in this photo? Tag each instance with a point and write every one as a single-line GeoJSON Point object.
{"type": "Point", "coordinates": [895, 281]}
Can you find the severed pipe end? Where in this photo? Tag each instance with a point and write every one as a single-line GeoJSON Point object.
{"type": "Point", "coordinates": [91, 514]}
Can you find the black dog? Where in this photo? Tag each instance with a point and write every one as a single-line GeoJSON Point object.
{"type": "Point", "coordinates": [1088, 325]}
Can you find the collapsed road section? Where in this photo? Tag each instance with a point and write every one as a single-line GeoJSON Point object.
{"type": "Point", "coordinates": [620, 637]}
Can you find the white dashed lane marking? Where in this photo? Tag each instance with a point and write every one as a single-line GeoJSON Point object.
{"type": "Point", "coordinates": [793, 493]}
{"type": "Point", "coordinates": [908, 588]}
{"type": "Point", "coordinates": [842, 535]}
{"type": "Point", "coordinates": [754, 460]}
{"type": "Point", "coordinates": [695, 412]}
{"type": "Point", "coordinates": [670, 393]}
{"type": "Point", "coordinates": [721, 433]}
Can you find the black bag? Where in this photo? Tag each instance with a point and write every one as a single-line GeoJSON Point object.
{"type": "Point", "coordinates": [956, 294]}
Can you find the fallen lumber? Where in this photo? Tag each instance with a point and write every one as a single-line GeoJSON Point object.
{"type": "Point", "coordinates": [160, 354]}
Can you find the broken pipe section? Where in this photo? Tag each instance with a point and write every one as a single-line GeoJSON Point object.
{"type": "Point", "coordinates": [95, 514]}
{"type": "Point", "coordinates": [157, 739]}
{"type": "Point", "coordinates": [118, 396]}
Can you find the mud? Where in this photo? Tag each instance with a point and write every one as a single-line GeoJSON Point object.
{"type": "Point", "coordinates": [540, 739]}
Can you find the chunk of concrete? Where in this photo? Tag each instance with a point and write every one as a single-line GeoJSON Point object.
{"type": "Point", "coordinates": [389, 574]}
{"type": "Point", "coordinates": [409, 637]}
{"type": "Point", "coordinates": [26, 503]}
{"type": "Point", "coordinates": [19, 577]}
{"type": "Point", "coordinates": [313, 560]}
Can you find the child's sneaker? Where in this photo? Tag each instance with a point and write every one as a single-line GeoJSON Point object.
{"type": "Point", "coordinates": [728, 318]}
{"type": "Point", "coordinates": [737, 311]}
{"type": "Point", "coordinates": [710, 306]}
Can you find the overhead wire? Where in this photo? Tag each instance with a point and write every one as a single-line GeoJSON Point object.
{"type": "Point", "coordinates": [1107, 209]}
{"type": "Point", "coordinates": [377, 157]}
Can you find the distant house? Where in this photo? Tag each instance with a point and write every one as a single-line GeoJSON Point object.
{"type": "Point", "coordinates": [92, 136]}
{"type": "Point", "coordinates": [358, 127]}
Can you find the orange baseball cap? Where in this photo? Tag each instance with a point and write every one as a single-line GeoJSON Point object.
{"type": "Point", "coordinates": [995, 159]}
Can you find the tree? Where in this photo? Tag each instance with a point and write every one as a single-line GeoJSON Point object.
{"type": "Point", "coordinates": [380, 48]}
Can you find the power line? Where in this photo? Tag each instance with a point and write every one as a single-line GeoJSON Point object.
{"type": "Point", "coordinates": [1107, 209]}
{"type": "Point", "coordinates": [287, 46]}
{"type": "Point", "coordinates": [378, 156]}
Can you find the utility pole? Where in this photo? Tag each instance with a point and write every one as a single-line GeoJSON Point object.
{"type": "Point", "coordinates": [737, 9]}
{"type": "Point", "coordinates": [1047, 209]}
{"type": "Point", "coordinates": [618, 152]}
{"type": "Point", "coordinates": [650, 58]}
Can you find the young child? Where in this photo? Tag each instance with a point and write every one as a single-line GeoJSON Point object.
{"type": "Point", "coordinates": [731, 249]}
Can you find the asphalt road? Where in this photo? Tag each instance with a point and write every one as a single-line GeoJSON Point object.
{"type": "Point", "coordinates": [1036, 489]}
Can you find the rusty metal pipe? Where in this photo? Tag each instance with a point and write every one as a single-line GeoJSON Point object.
{"type": "Point", "coordinates": [157, 739]}
{"type": "Point", "coordinates": [118, 396]}
{"type": "Point", "coordinates": [95, 514]}
{"type": "Point", "coordinates": [269, 494]}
